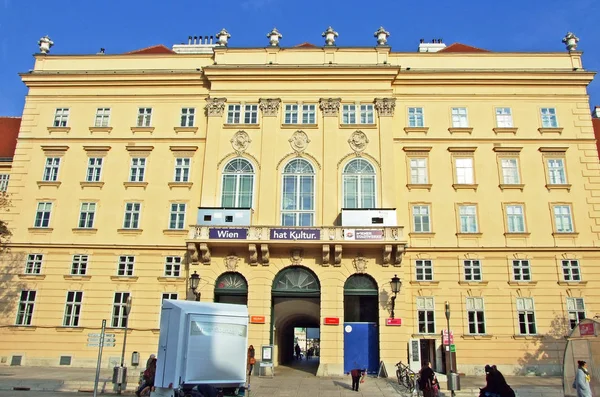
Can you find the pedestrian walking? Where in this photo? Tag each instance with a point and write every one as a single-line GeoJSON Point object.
{"type": "Point", "coordinates": [358, 376]}
{"type": "Point", "coordinates": [251, 360]}
{"type": "Point", "coordinates": [152, 357]}
{"type": "Point", "coordinates": [298, 351]}
{"type": "Point", "coordinates": [582, 380]}
{"type": "Point", "coordinates": [428, 382]}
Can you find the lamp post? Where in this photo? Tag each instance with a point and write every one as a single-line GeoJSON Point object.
{"type": "Point", "coordinates": [396, 283]}
{"type": "Point", "coordinates": [127, 309]}
{"type": "Point", "coordinates": [194, 281]}
{"type": "Point", "coordinates": [451, 384]}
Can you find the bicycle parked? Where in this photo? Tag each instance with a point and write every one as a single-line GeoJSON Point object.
{"type": "Point", "coordinates": [406, 376]}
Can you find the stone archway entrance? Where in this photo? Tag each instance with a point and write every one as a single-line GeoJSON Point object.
{"type": "Point", "coordinates": [296, 303]}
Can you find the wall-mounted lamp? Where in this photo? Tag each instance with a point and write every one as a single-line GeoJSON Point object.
{"type": "Point", "coordinates": [194, 281]}
{"type": "Point", "coordinates": [396, 283]}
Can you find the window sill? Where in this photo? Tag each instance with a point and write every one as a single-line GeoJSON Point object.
{"type": "Point", "coordinates": [428, 336]}
{"type": "Point", "coordinates": [505, 130]}
{"type": "Point", "coordinates": [23, 327]}
{"type": "Point", "coordinates": [514, 186]}
{"type": "Point", "coordinates": [524, 234]}
{"type": "Point", "coordinates": [180, 130]}
{"type": "Point", "coordinates": [40, 230]}
{"type": "Point", "coordinates": [566, 186]}
{"type": "Point", "coordinates": [416, 130]}
{"type": "Point", "coordinates": [565, 234]}
{"type": "Point", "coordinates": [180, 184]}
{"type": "Point", "coordinates": [101, 129]}
{"type": "Point", "coordinates": [59, 129]}
{"type": "Point", "coordinates": [418, 234]}
{"type": "Point", "coordinates": [522, 283]}
{"type": "Point", "coordinates": [31, 276]}
{"type": "Point", "coordinates": [84, 230]}
{"type": "Point", "coordinates": [474, 283]}
{"type": "Point", "coordinates": [125, 279]}
{"type": "Point", "coordinates": [142, 129]}
{"type": "Point", "coordinates": [425, 283]}
{"type": "Point", "coordinates": [75, 277]}
{"type": "Point", "coordinates": [477, 234]}
{"type": "Point", "coordinates": [461, 130]}
{"type": "Point", "coordinates": [175, 232]}
{"type": "Point", "coordinates": [529, 337]}
{"type": "Point", "coordinates": [68, 329]}
{"type": "Point", "coordinates": [471, 186]}
{"type": "Point", "coordinates": [241, 126]}
{"type": "Point", "coordinates": [165, 279]}
{"type": "Point", "coordinates": [91, 184]}
{"type": "Point", "coordinates": [48, 183]}
{"type": "Point", "coordinates": [300, 126]}
{"type": "Point", "coordinates": [557, 130]}
{"type": "Point", "coordinates": [130, 231]}
{"type": "Point", "coordinates": [572, 283]}
{"type": "Point", "coordinates": [477, 336]}
{"type": "Point", "coordinates": [358, 126]}
{"type": "Point", "coordinates": [135, 184]}
{"type": "Point", "coordinates": [417, 186]}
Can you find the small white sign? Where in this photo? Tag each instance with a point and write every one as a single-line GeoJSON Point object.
{"type": "Point", "coordinates": [348, 328]}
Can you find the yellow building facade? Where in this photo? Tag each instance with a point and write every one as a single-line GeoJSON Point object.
{"type": "Point", "coordinates": [301, 181]}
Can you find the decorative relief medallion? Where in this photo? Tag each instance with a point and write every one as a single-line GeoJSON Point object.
{"type": "Point", "coordinates": [296, 256]}
{"type": "Point", "coordinates": [231, 262]}
{"type": "Point", "coordinates": [299, 141]}
{"type": "Point", "coordinates": [360, 264]}
{"type": "Point", "coordinates": [385, 106]}
{"type": "Point", "coordinates": [269, 106]}
{"type": "Point", "coordinates": [330, 106]}
{"type": "Point", "coordinates": [240, 142]}
{"type": "Point", "coordinates": [358, 141]}
{"type": "Point", "coordinates": [215, 106]}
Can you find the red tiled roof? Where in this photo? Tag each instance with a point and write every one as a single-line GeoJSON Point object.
{"type": "Point", "coordinates": [459, 47]}
{"type": "Point", "coordinates": [306, 45]}
{"type": "Point", "coordinates": [596, 124]}
{"type": "Point", "coordinates": [155, 49]}
{"type": "Point", "coordinates": [9, 130]}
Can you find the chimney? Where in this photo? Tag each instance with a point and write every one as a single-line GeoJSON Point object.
{"type": "Point", "coordinates": [596, 112]}
{"type": "Point", "coordinates": [189, 40]}
{"type": "Point", "coordinates": [434, 46]}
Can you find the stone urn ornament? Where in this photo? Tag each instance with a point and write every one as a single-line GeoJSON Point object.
{"type": "Point", "coordinates": [274, 37]}
{"type": "Point", "coordinates": [222, 37]}
{"type": "Point", "coordinates": [45, 43]}
{"type": "Point", "coordinates": [382, 36]}
{"type": "Point", "coordinates": [571, 41]}
{"type": "Point", "coordinates": [330, 36]}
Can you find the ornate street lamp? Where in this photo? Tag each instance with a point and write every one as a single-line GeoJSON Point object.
{"type": "Point", "coordinates": [396, 283]}
{"type": "Point", "coordinates": [194, 281]}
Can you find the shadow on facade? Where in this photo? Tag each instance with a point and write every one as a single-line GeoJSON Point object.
{"type": "Point", "coordinates": [10, 286]}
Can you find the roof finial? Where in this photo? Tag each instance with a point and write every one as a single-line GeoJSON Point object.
{"type": "Point", "coordinates": [222, 37]}
{"type": "Point", "coordinates": [45, 43]}
{"type": "Point", "coordinates": [571, 41]}
{"type": "Point", "coordinates": [330, 36]}
{"type": "Point", "coordinates": [274, 37]}
{"type": "Point", "coordinates": [382, 36]}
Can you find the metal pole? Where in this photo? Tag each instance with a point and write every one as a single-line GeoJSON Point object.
{"type": "Point", "coordinates": [452, 393]}
{"type": "Point", "coordinates": [127, 310]}
{"type": "Point", "coordinates": [99, 363]}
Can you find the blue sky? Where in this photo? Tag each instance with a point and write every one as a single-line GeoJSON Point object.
{"type": "Point", "coordinates": [83, 26]}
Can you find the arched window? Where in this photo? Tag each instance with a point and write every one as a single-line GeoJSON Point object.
{"type": "Point", "coordinates": [231, 287]}
{"type": "Point", "coordinates": [298, 195]}
{"type": "Point", "coordinates": [238, 184]}
{"type": "Point", "coordinates": [359, 184]}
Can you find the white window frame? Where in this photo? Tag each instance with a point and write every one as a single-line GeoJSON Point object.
{"type": "Point", "coordinates": [510, 170]}
{"type": "Point", "coordinates": [571, 270]}
{"type": "Point", "coordinates": [133, 211]}
{"type": "Point", "coordinates": [87, 215]}
{"type": "Point", "coordinates": [464, 170]}
{"type": "Point", "coordinates": [299, 113]}
{"type": "Point", "coordinates": [182, 169]}
{"type": "Point", "coordinates": [515, 217]}
{"type": "Point", "coordinates": [4, 178]}
{"type": "Point", "coordinates": [298, 196]}
{"type": "Point", "coordinates": [33, 264]}
{"type": "Point", "coordinates": [51, 169]}
{"type": "Point", "coordinates": [422, 213]}
{"type": "Point", "coordinates": [460, 117]}
{"type": "Point", "coordinates": [548, 118]}
{"type": "Point", "coordinates": [416, 117]}
{"type": "Point", "coordinates": [563, 218]}
{"type": "Point", "coordinates": [125, 266]}
{"type": "Point", "coordinates": [521, 269]}
{"type": "Point", "coordinates": [418, 170]}
{"type": "Point", "coordinates": [144, 117]}
{"type": "Point", "coordinates": [79, 265]}
{"type": "Point", "coordinates": [26, 308]}
{"type": "Point", "coordinates": [242, 113]}
{"type": "Point", "coordinates": [137, 171]}
{"type": "Point", "coordinates": [73, 307]}
{"type": "Point", "coordinates": [575, 311]}
{"type": "Point", "coordinates": [423, 270]}
{"type": "Point", "coordinates": [358, 113]}
{"type": "Point", "coordinates": [102, 118]}
{"type": "Point", "coordinates": [504, 117]}
{"type": "Point", "coordinates": [94, 169]}
{"type": "Point", "coordinates": [61, 117]}
{"type": "Point", "coordinates": [473, 270]}
{"type": "Point", "coordinates": [476, 316]}
{"type": "Point", "coordinates": [118, 317]}
{"type": "Point", "coordinates": [188, 117]}
{"type": "Point", "coordinates": [43, 215]}
{"type": "Point", "coordinates": [525, 309]}
{"type": "Point", "coordinates": [362, 179]}
{"type": "Point", "coordinates": [466, 219]}
{"type": "Point", "coordinates": [173, 266]}
{"type": "Point", "coordinates": [177, 216]}
{"type": "Point", "coordinates": [557, 174]}
{"type": "Point", "coordinates": [237, 175]}
{"type": "Point", "coordinates": [426, 305]}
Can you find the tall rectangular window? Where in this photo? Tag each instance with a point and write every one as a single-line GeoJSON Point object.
{"type": "Point", "coordinates": [73, 308]}
{"type": "Point", "coordinates": [421, 219]}
{"type": "Point", "coordinates": [51, 169]}
{"type": "Point", "coordinates": [234, 114]}
{"type": "Point", "coordinates": [504, 118]}
{"type": "Point", "coordinates": [464, 170]}
{"type": "Point", "coordinates": [526, 314]}
{"type": "Point", "coordinates": [575, 310]}
{"type": "Point", "coordinates": [79, 265]}
{"type": "Point", "coordinates": [515, 219]}
{"type": "Point", "coordinates": [571, 271]}
{"type": "Point", "coordinates": [119, 316]}
{"type": "Point", "coordinates": [549, 118]}
{"type": "Point", "coordinates": [366, 114]}
{"type": "Point", "coordinates": [144, 118]}
{"type": "Point", "coordinates": [521, 270]}
{"type": "Point", "coordinates": [349, 114]}
{"type": "Point", "coordinates": [563, 220]}
{"type": "Point", "coordinates": [472, 270]}
{"type": "Point", "coordinates": [187, 117]}
{"type": "Point", "coordinates": [132, 216]}
{"type": "Point", "coordinates": [426, 315]}
{"type": "Point", "coordinates": [291, 114]}
{"type": "Point", "coordinates": [476, 316]}
{"type": "Point", "coordinates": [459, 118]}
{"type": "Point", "coordinates": [424, 270]}
{"type": "Point", "coordinates": [418, 171]}
{"type": "Point", "coordinates": [61, 117]}
{"type": "Point", "coordinates": [42, 215]}
{"type": "Point", "coordinates": [33, 265]}
{"type": "Point", "coordinates": [299, 114]}
{"type": "Point", "coordinates": [4, 182]}
{"type": "Point", "coordinates": [138, 169]}
{"type": "Point", "coordinates": [415, 117]}
{"type": "Point", "coordinates": [556, 171]}
{"type": "Point", "coordinates": [177, 216]}
{"type": "Point", "coordinates": [125, 266]}
{"type": "Point", "coordinates": [250, 114]}
{"type": "Point", "coordinates": [87, 215]}
{"type": "Point", "coordinates": [173, 266]}
{"type": "Point", "coordinates": [102, 117]}
{"type": "Point", "coordinates": [182, 169]}
{"type": "Point", "coordinates": [510, 171]}
{"type": "Point", "coordinates": [468, 219]}
{"type": "Point", "coordinates": [308, 114]}
{"type": "Point", "coordinates": [94, 169]}
{"type": "Point", "coordinates": [25, 309]}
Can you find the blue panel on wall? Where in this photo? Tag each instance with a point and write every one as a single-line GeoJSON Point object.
{"type": "Point", "coordinates": [361, 347]}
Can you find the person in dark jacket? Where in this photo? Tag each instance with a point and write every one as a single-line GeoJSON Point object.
{"type": "Point", "coordinates": [496, 385]}
{"type": "Point", "coordinates": [427, 380]}
{"type": "Point", "coordinates": [149, 375]}
{"type": "Point", "coordinates": [298, 351]}
{"type": "Point", "coordinates": [356, 375]}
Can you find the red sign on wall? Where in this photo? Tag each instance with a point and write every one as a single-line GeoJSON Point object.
{"type": "Point", "coordinates": [586, 329]}
{"type": "Point", "coordinates": [257, 319]}
{"type": "Point", "coordinates": [393, 321]}
{"type": "Point", "coordinates": [331, 321]}
{"type": "Point", "coordinates": [445, 337]}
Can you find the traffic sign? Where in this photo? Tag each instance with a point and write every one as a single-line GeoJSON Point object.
{"type": "Point", "coordinates": [452, 348]}
{"type": "Point", "coordinates": [445, 337]}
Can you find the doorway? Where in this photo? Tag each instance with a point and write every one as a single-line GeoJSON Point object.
{"type": "Point", "coordinates": [428, 352]}
{"type": "Point", "coordinates": [231, 287]}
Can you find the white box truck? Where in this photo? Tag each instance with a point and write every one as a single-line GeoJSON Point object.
{"type": "Point", "coordinates": [201, 344]}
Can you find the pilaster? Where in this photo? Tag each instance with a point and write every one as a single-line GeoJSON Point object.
{"type": "Point", "coordinates": [215, 108]}
{"type": "Point", "coordinates": [266, 193]}
{"type": "Point", "coordinates": [385, 109]}
{"type": "Point", "coordinates": [330, 191]}
{"type": "Point", "coordinates": [331, 360]}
